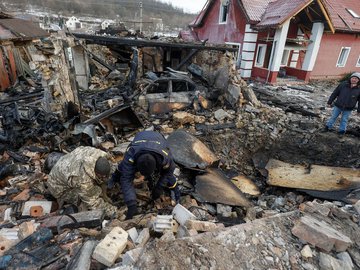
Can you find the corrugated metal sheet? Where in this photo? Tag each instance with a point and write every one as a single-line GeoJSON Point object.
{"type": "Point", "coordinates": [21, 30]}
{"type": "Point", "coordinates": [340, 17]}
{"type": "Point", "coordinates": [278, 12]}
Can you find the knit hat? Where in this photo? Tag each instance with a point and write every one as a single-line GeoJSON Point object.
{"type": "Point", "coordinates": [102, 166]}
{"type": "Point", "coordinates": [356, 74]}
{"type": "Point", "coordinates": [146, 164]}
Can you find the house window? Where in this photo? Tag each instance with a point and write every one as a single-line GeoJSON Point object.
{"type": "Point", "coordinates": [358, 62]}
{"type": "Point", "coordinates": [285, 58]}
{"type": "Point", "coordinates": [344, 53]}
{"type": "Point", "coordinates": [224, 11]}
{"type": "Point", "coordinates": [353, 13]}
{"type": "Point", "coordinates": [260, 55]}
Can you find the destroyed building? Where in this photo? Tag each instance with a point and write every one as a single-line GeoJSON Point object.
{"type": "Point", "coordinates": [261, 186]}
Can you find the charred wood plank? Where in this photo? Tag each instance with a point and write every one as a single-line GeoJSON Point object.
{"type": "Point", "coordinates": [22, 97]}
{"type": "Point", "coordinates": [313, 177]}
{"type": "Point", "coordinates": [104, 40]}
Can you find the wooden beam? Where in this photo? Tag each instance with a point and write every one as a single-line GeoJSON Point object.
{"type": "Point", "coordinates": [105, 40]}
{"type": "Point", "coordinates": [312, 177]}
{"type": "Point", "coordinates": [326, 16]}
{"type": "Point", "coordinates": [308, 14]}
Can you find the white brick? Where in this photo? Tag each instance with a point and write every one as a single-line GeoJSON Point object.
{"type": "Point", "coordinates": [181, 214]}
{"type": "Point", "coordinates": [111, 247]}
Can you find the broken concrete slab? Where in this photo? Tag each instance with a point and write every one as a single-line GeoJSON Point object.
{"type": "Point", "coordinates": [110, 248]}
{"type": "Point", "coordinates": [321, 234]}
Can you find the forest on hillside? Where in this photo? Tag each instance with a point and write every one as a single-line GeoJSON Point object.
{"type": "Point", "coordinates": [111, 9]}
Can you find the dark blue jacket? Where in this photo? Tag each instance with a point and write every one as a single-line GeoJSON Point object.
{"type": "Point", "coordinates": [145, 142]}
{"type": "Point", "coordinates": [346, 97]}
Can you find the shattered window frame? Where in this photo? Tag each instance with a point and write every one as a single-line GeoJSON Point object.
{"type": "Point", "coordinates": [343, 56]}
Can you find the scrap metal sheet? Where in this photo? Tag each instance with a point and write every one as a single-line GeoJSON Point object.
{"type": "Point", "coordinates": [214, 187]}
{"type": "Point", "coordinates": [189, 151]}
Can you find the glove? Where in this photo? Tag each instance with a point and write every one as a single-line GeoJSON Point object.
{"type": "Point", "coordinates": [131, 212]}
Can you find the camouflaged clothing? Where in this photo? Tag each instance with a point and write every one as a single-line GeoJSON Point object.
{"type": "Point", "coordinates": [73, 180]}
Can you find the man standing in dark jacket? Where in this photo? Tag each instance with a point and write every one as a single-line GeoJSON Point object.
{"type": "Point", "coordinates": [347, 94]}
{"type": "Point", "coordinates": [148, 154]}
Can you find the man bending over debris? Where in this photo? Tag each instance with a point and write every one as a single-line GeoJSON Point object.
{"type": "Point", "coordinates": [77, 177]}
{"type": "Point", "coordinates": [148, 154]}
{"type": "Point", "coordinates": [347, 94]}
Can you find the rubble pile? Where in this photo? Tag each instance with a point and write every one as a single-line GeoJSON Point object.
{"type": "Point", "coordinates": [231, 142]}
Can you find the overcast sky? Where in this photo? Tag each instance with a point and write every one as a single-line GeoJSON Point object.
{"type": "Point", "coordinates": [188, 5]}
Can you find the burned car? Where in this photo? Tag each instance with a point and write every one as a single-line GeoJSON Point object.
{"type": "Point", "coordinates": [165, 94]}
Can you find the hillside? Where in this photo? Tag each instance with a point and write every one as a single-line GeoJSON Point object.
{"type": "Point", "coordinates": [124, 10]}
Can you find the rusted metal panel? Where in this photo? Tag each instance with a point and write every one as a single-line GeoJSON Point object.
{"type": "Point", "coordinates": [189, 151]}
{"type": "Point", "coordinates": [215, 187]}
{"type": "Point", "coordinates": [4, 77]}
{"type": "Point", "coordinates": [22, 29]}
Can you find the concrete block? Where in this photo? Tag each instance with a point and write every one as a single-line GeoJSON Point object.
{"type": "Point", "coordinates": [133, 233]}
{"type": "Point", "coordinates": [132, 256]}
{"type": "Point", "coordinates": [181, 214]}
{"type": "Point", "coordinates": [144, 236]}
{"type": "Point", "coordinates": [200, 226]}
{"type": "Point", "coordinates": [111, 247]}
{"type": "Point", "coordinates": [46, 207]}
{"type": "Point", "coordinates": [320, 234]}
{"type": "Point", "coordinates": [162, 223]}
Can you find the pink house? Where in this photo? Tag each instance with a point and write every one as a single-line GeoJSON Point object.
{"type": "Point", "coordinates": [306, 39]}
